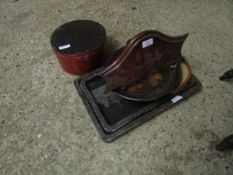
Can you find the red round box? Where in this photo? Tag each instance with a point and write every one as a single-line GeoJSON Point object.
{"type": "Point", "coordinates": [91, 56]}
{"type": "Point", "coordinates": [79, 64]}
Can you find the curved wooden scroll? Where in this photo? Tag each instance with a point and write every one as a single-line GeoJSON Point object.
{"type": "Point", "coordinates": [147, 51]}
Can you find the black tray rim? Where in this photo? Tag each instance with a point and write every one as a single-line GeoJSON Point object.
{"type": "Point", "coordinates": [107, 135]}
{"type": "Point", "coordinates": [95, 107]}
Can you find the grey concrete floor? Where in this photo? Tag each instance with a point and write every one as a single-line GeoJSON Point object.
{"type": "Point", "coordinates": [44, 126]}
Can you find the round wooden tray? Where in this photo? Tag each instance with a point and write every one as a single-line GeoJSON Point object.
{"type": "Point", "coordinates": [156, 86]}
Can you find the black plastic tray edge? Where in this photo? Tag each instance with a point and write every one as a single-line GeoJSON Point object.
{"type": "Point", "coordinates": [108, 137]}
{"type": "Point", "coordinates": [107, 127]}
{"type": "Point", "coordinates": [89, 110]}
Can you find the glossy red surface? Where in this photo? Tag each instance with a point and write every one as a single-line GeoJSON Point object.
{"type": "Point", "coordinates": [81, 63]}
{"type": "Point", "coordinates": [79, 46]}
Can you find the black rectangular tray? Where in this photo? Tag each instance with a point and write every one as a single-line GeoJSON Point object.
{"type": "Point", "coordinates": [114, 115]}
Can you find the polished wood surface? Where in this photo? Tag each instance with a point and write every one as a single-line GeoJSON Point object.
{"type": "Point", "coordinates": [146, 52]}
